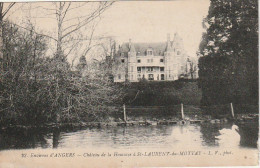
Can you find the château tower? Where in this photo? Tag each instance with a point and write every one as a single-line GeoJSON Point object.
{"type": "Point", "coordinates": [132, 70]}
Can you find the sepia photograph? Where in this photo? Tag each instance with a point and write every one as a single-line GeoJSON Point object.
{"type": "Point", "coordinates": [129, 84]}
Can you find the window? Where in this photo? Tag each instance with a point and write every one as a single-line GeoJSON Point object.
{"type": "Point", "coordinates": [122, 54]}
{"type": "Point", "coordinates": [149, 52]}
{"type": "Point", "coordinates": [139, 69]}
{"type": "Point", "coordinates": [131, 68]}
{"type": "Point", "coordinates": [149, 60]}
{"type": "Point", "coordinates": [139, 76]}
{"type": "Point", "coordinates": [139, 61]}
{"type": "Point", "coordinates": [162, 69]}
{"type": "Point", "coordinates": [150, 69]}
{"type": "Point", "coordinates": [162, 76]}
{"type": "Point", "coordinates": [119, 76]}
{"type": "Point", "coordinates": [123, 60]}
{"type": "Point", "coordinates": [161, 60]}
{"type": "Point", "coordinates": [150, 77]}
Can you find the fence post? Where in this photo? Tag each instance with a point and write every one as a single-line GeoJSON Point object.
{"type": "Point", "coordinates": [232, 110]}
{"type": "Point", "coordinates": [182, 112]}
{"type": "Point", "coordinates": [124, 113]}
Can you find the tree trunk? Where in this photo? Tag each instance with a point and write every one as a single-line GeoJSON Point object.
{"type": "Point", "coordinates": [59, 39]}
{"type": "Point", "coordinates": [1, 44]}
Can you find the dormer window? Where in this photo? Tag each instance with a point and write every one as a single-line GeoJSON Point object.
{"type": "Point", "coordinates": [149, 52]}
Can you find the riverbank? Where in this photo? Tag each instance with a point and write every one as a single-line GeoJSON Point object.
{"type": "Point", "coordinates": [240, 119]}
{"type": "Point", "coordinates": [146, 103]}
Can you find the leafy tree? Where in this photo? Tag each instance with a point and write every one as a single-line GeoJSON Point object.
{"type": "Point", "coordinates": [228, 67]}
{"type": "Point", "coordinates": [21, 96]}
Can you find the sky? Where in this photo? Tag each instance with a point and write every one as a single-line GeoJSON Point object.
{"type": "Point", "coordinates": [151, 21]}
{"type": "Point", "coordinates": [140, 21]}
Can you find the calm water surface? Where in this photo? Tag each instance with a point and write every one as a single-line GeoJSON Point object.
{"type": "Point", "coordinates": [192, 135]}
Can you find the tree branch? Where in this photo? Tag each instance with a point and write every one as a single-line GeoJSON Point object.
{"type": "Point", "coordinates": [7, 10]}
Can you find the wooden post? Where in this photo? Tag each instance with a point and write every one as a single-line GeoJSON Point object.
{"type": "Point", "coordinates": [182, 112]}
{"type": "Point", "coordinates": [232, 110]}
{"type": "Point", "coordinates": [124, 113]}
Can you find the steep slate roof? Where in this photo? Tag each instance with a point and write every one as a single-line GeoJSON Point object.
{"type": "Point", "coordinates": [140, 48]}
{"type": "Point", "coordinates": [177, 41]}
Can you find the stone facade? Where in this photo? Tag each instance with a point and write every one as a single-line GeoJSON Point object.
{"type": "Point", "coordinates": [152, 61]}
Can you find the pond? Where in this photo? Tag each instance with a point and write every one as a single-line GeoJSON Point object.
{"type": "Point", "coordinates": [202, 136]}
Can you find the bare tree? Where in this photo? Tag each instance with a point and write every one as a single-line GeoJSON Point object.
{"type": "Point", "coordinates": [4, 9]}
{"type": "Point", "coordinates": [76, 23]}
{"type": "Point", "coordinates": [108, 47]}
{"type": "Point", "coordinates": [53, 92]}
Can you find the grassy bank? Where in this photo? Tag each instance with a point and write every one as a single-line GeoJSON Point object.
{"type": "Point", "coordinates": [164, 93]}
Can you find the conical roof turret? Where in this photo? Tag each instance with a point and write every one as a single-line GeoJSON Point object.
{"type": "Point", "coordinates": [131, 46]}
{"type": "Point", "coordinates": [177, 41]}
{"type": "Point", "coordinates": [169, 43]}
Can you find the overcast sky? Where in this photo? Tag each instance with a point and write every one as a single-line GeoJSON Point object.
{"type": "Point", "coordinates": [142, 21]}
{"type": "Point", "coordinates": [151, 21]}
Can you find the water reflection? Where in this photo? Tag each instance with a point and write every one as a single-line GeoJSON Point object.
{"type": "Point", "coordinates": [55, 138]}
{"type": "Point", "coordinates": [210, 132]}
{"type": "Point", "coordinates": [185, 136]}
{"type": "Point", "coordinates": [200, 135]}
{"type": "Point", "coordinates": [249, 134]}
{"type": "Point", "coordinates": [23, 139]}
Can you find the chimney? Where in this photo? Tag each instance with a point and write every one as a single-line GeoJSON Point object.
{"type": "Point", "coordinates": [131, 47]}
